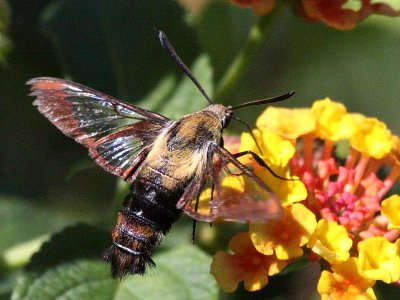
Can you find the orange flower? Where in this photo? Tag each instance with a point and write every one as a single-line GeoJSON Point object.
{"type": "Point", "coordinates": [343, 193]}
{"type": "Point", "coordinates": [260, 7]}
{"type": "Point", "coordinates": [338, 14]}
{"type": "Point", "coordinates": [286, 236]}
{"type": "Point", "coordinates": [243, 263]}
{"type": "Point", "coordinates": [346, 282]}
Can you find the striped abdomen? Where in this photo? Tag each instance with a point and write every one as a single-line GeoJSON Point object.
{"type": "Point", "coordinates": [175, 158]}
{"type": "Point", "coordinates": [147, 215]}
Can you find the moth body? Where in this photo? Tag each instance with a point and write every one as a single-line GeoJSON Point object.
{"type": "Point", "coordinates": [150, 208]}
{"type": "Point", "coordinates": [169, 164]}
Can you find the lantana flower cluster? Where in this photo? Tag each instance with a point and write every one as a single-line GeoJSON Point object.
{"type": "Point", "coordinates": [336, 210]}
{"type": "Point", "coordinates": [339, 14]}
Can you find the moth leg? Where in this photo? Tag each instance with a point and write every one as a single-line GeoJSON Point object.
{"type": "Point", "coordinates": [196, 207]}
{"type": "Point", "coordinates": [259, 160]}
{"type": "Point", "coordinates": [212, 194]}
{"type": "Point", "coordinates": [193, 230]}
{"type": "Point", "coordinates": [250, 131]}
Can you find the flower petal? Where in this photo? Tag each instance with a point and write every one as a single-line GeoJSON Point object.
{"type": "Point", "coordinates": [345, 282]}
{"type": "Point", "coordinates": [288, 123]}
{"type": "Point", "coordinates": [333, 122]}
{"type": "Point", "coordinates": [379, 259]}
{"type": "Point", "coordinates": [371, 137]}
{"type": "Point", "coordinates": [243, 263]}
{"type": "Point", "coordinates": [331, 242]}
{"type": "Point", "coordinates": [390, 208]}
{"type": "Point", "coordinates": [286, 236]}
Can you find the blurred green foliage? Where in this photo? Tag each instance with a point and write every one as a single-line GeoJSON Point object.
{"type": "Point", "coordinates": [112, 46]}
{"type": "Point", "coordinates": [4, 24]}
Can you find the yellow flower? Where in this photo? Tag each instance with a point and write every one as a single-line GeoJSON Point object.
{"type": "Point", "coordinates": [371, 137]}
{"type": "Point", "coordinates": [233, 188]}
{"type": "Point", "coordinates": [396, 149]}
{"type": "Point", "coordinates": [379, 259]}
{"type": "Point", "coordinates": [346, 282]}
{"type": "Point", "coordinates": [288, 123]}
{"type": "Point", "coordinates": [331, 242]}
{"type": "Point", "coordinates": [390, 208]}
{"type": "Point", "coordinates": [333, 121]}
{"type": "Point", "coordinates": [341, 199]}
{"type": "Point", "coordinates": [285, 236]}
{"type": "Point", "coordinates": [243, 263]}
{"type": "Point", "coordinates": [275, 149]}
{"type": "Point", "coordinates": [276, 152]}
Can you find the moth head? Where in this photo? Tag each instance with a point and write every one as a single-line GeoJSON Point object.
{"type": "Point", "coordinates": [224, 113]}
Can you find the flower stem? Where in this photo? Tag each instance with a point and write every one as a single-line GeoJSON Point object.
{"type": "Point", "coordinates": [255, 41]}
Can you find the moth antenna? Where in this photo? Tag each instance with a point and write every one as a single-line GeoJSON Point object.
{"type": "Point", "coordinates": [251, 132]}
{"type": "Point", "coordinates": [259, 102]}
{"type": "Point", "coordinates": [172, 53]}
{"type": "Point", "coordinates": [266, 101]}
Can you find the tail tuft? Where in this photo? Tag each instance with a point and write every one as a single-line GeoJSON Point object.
{"type": "Point", "coordinates": [124, 263]}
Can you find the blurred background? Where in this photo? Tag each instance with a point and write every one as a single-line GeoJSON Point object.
{"type": "Point", "coordinates": [47, 181]}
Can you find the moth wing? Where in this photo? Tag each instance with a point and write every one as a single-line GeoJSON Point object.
{"type": "Point", "coordinates": [118, 135]}
{"type": "Point", "coordinates": [227, 190]}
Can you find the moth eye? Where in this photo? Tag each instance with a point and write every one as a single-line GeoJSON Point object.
{"type": "Point", "coordinates": [225, 121]}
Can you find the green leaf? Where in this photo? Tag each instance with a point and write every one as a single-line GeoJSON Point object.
{"type": "Point", "coordinates": [78, 241]}
{"type": "Point", "coordinates": [83, 279]}
{"type": "Point", "coordinates": [69, 267]}
{"type": "Point", "coordinates": [5, 43]}
{"type": "Point", "coordinates": [7, 284]}
{"type": "Point", "coordinates": [187, 98]}
{"type": "Point", "coordinates": [222, 35]}
{"type": "Point", "coordinates": [22, 286]}
{"type": "Point", "coordinates": [158, 96]}
{"type": "Point", "coordinates": [18, 256]}
{"type": "Point", "coordinates": [182, 273]}
{"type": "Point", "coordinates": [80, 165]}
{"type": "Point", "coordinates": [21, 220]}
{"type": "Point", "coordinates": [296, 265]}
{"type": "Point", "coordinates": [118, 51]}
